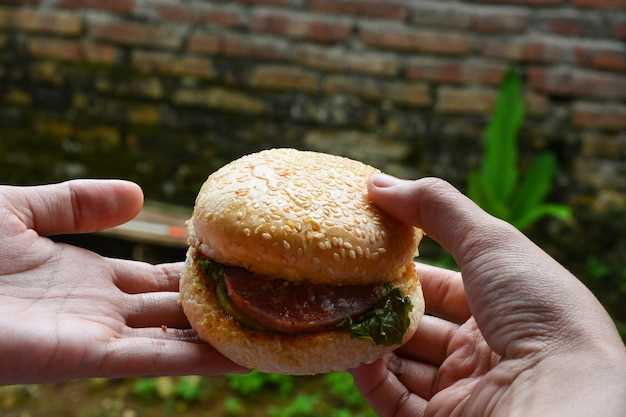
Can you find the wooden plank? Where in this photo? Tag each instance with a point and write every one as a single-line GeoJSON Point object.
{"type": "Point", "coordinates": [157, 224]}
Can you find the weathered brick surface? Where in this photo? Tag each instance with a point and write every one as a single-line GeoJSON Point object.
{"type": "Point", "coordinates": [117, 6]}
{"type": "Point", "coordinates": [45, 21]}
{"type": "Point", "coordinates": [167, 63]}
{"type": "Point", "coordinates": [395, 82]}
{"type": "Point", "coordinates": [403, 38]}
{"type": "Point", "coordinates": [238, 45]}
{"type": "Point", "coordinates": [602, 4]}
{"type": "Point", "coordinates": [576, 82]}
{"type": "Point", "coordinates": [455, 71]}
{"type": "Point", "coordinates": [602, 116]}
{"type": "Point", "coordinates": [283, 78]}
{"type": "Point", "coordinates": [484, 19]}
{"type": "Point", "coordinates": [301, 26]}
{"type": "Point", "coordinates": [202, 13]}
{"type": "Point", "coordinates": [137, 34]}
{"type": "Point", "coordinates": [384, 9]}
{"type": "Point", "coordinates": [69, 50]}
{"type": "Point", "coordinates": [343, 60]}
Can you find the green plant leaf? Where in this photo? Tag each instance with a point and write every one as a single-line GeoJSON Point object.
{"type": "Point", "coordinates": [558, 211]}
{"type": "Point", "coordinates": [484, 197]}
{"type": "Point", "coordinates": [536, 185]}
{"type": "Point", "coordinates": [499, 166]}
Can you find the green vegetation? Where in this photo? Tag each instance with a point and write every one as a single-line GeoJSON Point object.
{"type": "Point", "coordinates": [387, 322]}
{"type": "Point", "coordinates": [255, 382]}
{"type": "Point", "coordinates": [498, 186]}
{"type": "Point", "coordinates": [302, 406]}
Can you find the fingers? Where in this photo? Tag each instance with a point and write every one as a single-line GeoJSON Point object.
{"type": "Point", "coordinates": [155, 309]}
{"type": "Point", "coordinates": [386, 394]}
{"type": "Point", "coordinates": [445, 214]}
{"type": "Point", "coordinates": [430, 342]}
{"type": "Point", "coordinates": [418, 377]}
{"type": "Point", "coordinates": [75, 206]}
{"type": "Point", "coordinates": [139, 277]}
{"type": "Point", "coordinates": [443, 293]}
{"type": "Point", "coordinates": [145, 356]}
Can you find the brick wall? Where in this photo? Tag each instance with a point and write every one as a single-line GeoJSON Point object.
{"type": "Point", "coordinates": [164, 91]}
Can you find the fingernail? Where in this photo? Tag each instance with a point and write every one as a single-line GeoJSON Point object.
{"type": "Point", "coordinates": [385, 181]}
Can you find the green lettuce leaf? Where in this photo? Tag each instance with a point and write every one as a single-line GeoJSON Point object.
{"type": "Point", "coordinates": [386, 323]}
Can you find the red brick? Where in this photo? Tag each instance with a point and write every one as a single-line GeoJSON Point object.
{"type": "Point", "coordinates": [575, 82]}
{"type": "Point", "coordinates": [131, 33]}
{"type": "Point", "coordinates": [526, 2]}
{"type": "Point", "coordinates": [357, 86]}
{"type": "Point", "coordinates": [608, 58]}
{"type": "Point", "coordinates": [498, 20]}
{"type": "Point", "coordinates": [299, 26]}
{"type": "Point", "coordinates": [570, 22]}
{"type": "Point", "coordinates": [47, 21]}
{"type": "Point", "coordinates": [166, 63]}
{"type": "Point", "coordinates": [339, 59]}
{"type": "Point", "coordinates": [401, 38]}
{"type": "Point", "coordinates": [116, 6]}
{"type": "Point", "coordinates": [530, 49]}
{"type": "Point", "coordinates": [413, 94]}
{"type": "Point", "coordinates": [220, 98]}
{"type": "Point", "coordinates": [267, 2]}
{"type": "Point", "coordinates": [383, 9]}
{"type": "Point", "coordinates": [602, 116]}
{"type": "Point", "coordinates": [283, 78]}
{"type": "Point", "coordinates": [619, 30]}
{"type": "Point", "coordinates": [454, 71]}
{"type": "Point", "coordinates": [465, 100]}
{"type": "Point", "coordinates": [222, 16]}
{"type": "Point", "coordinates": [601, 4]}
{"type": "Point", "coordinates": [238, 45]}
{"type": "Point", "coordinates": [69, 50]}
{"type": "Point", "coordinates": [473, 17]}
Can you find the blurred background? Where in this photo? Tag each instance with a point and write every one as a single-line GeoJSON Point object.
{"type": "Point", "coordinates": [163, 92]}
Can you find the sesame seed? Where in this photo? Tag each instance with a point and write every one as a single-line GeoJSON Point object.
{"type": "Point", "coordinates": [336, 256]}
{"type": "Point", "coordinates": [286, 245]}
{"type": "Point", "coordinates": [347, 245]}
{"type": "Point", "coordinates": [352, 254]}
{"type": "Point", "coordinates": [247, 232]}
{"type": "Point", "coordinates": [266, 236]}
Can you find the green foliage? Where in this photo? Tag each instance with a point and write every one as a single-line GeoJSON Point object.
{"type": "Point", "coordinates": [254, 382]}
{"type": "Point", "coordinates": [497, 186]}
{"type": "Point", "coordinates": [145, 389]}
{"type": "Point", "coordinates": [341, 412]}
{"type": "Point", "coordinates": [341, 387]}
{"type": "Point", "coordinates": [189, 388]}
{"type": "Point", "coordinates": [233, 407]}
{"type": "Point", "coordinates": [597, 269]}
{"type": "Point", "coordinates": [387, 322]}
{"type": "Point", "coordinates": [302, 406]}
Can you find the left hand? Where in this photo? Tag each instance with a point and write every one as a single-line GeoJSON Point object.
{"type": "Point", "coordinates": [67, 313]}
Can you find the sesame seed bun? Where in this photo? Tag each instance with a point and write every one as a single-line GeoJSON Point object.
{"type": "Point", "coordinates": [300, 216]}
{"type": "Point", "coordinates": [305, 354]}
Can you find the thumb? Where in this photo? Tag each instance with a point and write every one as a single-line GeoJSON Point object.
{"type": "Point", "coordinates": [446, 215]}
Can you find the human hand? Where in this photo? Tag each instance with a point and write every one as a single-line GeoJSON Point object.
{"type": "Point", "coordinates": [513, 334]}
{"type": "Point", "coordinates": [69, 313]}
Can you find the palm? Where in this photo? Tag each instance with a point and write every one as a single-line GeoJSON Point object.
{"type": "Point", "coordinates": [67, 312]}
{"type": "Point", "coordinates": [469, 362]}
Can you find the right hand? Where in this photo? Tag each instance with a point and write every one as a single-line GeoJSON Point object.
{"type": "Point", "coordinates": [514, 334]}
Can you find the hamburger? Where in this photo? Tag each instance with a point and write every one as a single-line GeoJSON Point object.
{"type": "Point", "coordinates": [291, 269]}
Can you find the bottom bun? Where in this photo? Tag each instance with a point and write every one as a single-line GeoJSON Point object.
{"type": "Point", "coordinates": [306, 354]}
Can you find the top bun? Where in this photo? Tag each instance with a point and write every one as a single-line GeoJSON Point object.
{"type": "Point", "coordinates": [300, 216]}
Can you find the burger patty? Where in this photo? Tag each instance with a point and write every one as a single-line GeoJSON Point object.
{"type": "Point", "coordinates": [288, 307]}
